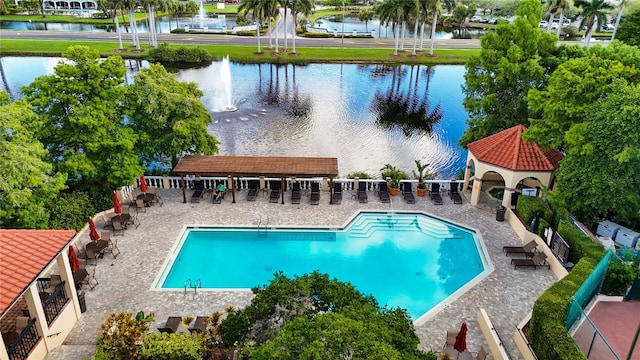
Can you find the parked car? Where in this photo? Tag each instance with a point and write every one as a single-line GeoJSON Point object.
{"type": "Point", "coordinates": [543, 24]}
{"type": "Point", "coordinates": [608, 27]}
{"type": "Point", "coordinates": [476, 18]}
{"type": "Point", "coordinates": [493, 21]}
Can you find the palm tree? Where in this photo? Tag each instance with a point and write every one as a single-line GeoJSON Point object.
{"type": "Point", "coordinates": [256, 9]}
{"type": "Point", "coordinates": [390, 12]}
{"type": "Point", "coordinates": [552, 9]}
{"type": "Point", "coordinates": [564, 6]}
{"type": "Point", "coordinates": [436, 6]}
{"type": "Point", "coordinates": [416, 12]}
{"type": "Point", "coordinates": [131, 5]}
{"type": "Point", "coordinates": [623, 3]}
{"type": "Point", "coordinates": [592, 12]}
{"type": "Point", "coordinates": [303, 7]}
{"type": "Point", "coordinates": [112, 6]}
{"type": "Point", "coordinates": [365, 15]}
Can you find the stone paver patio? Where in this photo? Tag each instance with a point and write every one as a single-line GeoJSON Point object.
{"type": "Point", "coordinates": [506, 294]}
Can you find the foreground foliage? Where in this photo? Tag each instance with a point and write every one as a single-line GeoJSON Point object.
{"type": "Point", "coordinates": [312, 316]}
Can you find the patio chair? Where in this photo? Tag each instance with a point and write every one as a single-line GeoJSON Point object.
{"type": "Point", "coordinates": [91, 255]}
{"type": "Point", "coordinates": [126, 209]}
{"type": "Point", "coordinates": [315, 194]}
{"type": "Point", "coordinates": [106, 220]}
{"type": "Point", "coordinates": [274, 195]}
{"type": "Point", "coordinates": [537, 260]}
{"type": "Point", "coordinates": [198, 193]}
{"type": "Point", "coordinates": [112, 248]}
{"type": "Point", "coordinates": [158, 198]}
{"type": "Point", "coordinates": [336, 198]}
{"type": "Point", "coordinates": [90, 279]}
{"type": "Point", "coordinates": [383, 192]}
{"type": "Point", "coordinates": [133, 221]}
{"type": "Point", "coordinates": [454, 194]}
{"type": "Point", "coordinates": [254, 186]}
{"type": "Point", "coordinates": [53, 283]}
{"type": "Point", "coordinates": [434, 194]}
{"type": "Point", "coordinates": [118, 228]}
{"type": "Point", "coordinates": [171, 325]}
{"type": "Point", "coordinates": [528, 249]}
{"type": "Point", "coordinates": [217, 199]}
{"type": "Point", "coordinates": [407, 193]}
{"type": "Point", "coordinates": [362, 192]}
{"type": "Point", "coordinates": [83, 265]}
{"type": "Point", "coordinates": [21, 323]}
{"type": "Point", "coordinates": [295, 193]}
{"type": "Point", "coordinates": [131, 198]}
{"type": "Point", "coordinates": [448, 344]}
{"type": "Point", "coordinates": [481, 355]}
{"type": "Point", "coordinates": [140, 206]}
{"type": "Point", "coordinates": [105, 235]}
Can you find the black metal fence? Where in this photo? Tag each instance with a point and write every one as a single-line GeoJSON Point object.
{"type": "Point", "coordinates": [27, 339]}
{"type": "Point", "coordinates": [55, 303]}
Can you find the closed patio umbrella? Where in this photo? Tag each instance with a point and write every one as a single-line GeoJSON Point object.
{"type": "Point", "coordinates": [461, 339]}
{"type": "Point", "coordinates": [93, 232]}
{"type": "Point", "coordinates": [143, 184]}
{"type": "Point", "coordinates": [117, 208]}
{"type": "Point", "coordinates": [73, 259]}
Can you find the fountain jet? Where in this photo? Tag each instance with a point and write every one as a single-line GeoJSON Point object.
{"type": "Point", "coordinates": [223, 95]}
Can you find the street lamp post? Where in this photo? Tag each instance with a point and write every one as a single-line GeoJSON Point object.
{"type": "Point", "coordinates": [343, 24]}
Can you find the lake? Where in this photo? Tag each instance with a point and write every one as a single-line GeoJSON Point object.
{"type": "Point", "coordinates": [365, 115]}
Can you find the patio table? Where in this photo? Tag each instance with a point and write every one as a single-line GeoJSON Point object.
{"type": "Point", "coordinates": [97, 246]}
{"type": "Point", "coordinates": [122, 218]}
{"type": "Point", "coordinates": [9, 337]}
{"type": "Point", "coordinates": [147, 198]}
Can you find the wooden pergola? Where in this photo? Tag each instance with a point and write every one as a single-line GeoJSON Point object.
{"type": "Point", "coordinates": [267, 166]}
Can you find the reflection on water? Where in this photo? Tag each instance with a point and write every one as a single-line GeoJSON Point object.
{"type": "Point", "coordinates": [366, 116]}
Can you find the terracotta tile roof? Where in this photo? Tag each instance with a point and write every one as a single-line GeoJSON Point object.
{"type": "Point", "coordinates": [23, 255]}
{"type": "Point", "coordinates": [270, 166]}
{"type": "Point", "coordinates": [507, 149]}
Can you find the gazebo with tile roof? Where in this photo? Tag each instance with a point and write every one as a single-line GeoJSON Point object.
{"type": "Point", "coordinates": [513, 158]}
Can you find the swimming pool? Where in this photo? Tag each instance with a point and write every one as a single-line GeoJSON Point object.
{"type": "Point", "coordinates": [411, 260]}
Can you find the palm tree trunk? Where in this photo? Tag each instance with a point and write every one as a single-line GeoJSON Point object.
{"type": "Point", "coordinates": [415, 38]}
{"type": "Point", "coordinates": [270, 34]}
{"type": "Point", "coordinates": [258, 33]}
{"type": "Point", "coordinates": [588, 38]}
{"type": "Point", "coordinates": [433, 32]}
{"type": "Point", "coordinates": [285, 29]}
{"type": "Point", "coordinates": [118, 31]}
{"type": "Point", "coordinates": [613, 36]}
{"type": "Point", "coordinates": [421, 35]}
{"type": "Point", "coordinates": [276, 25]}
{"type": "Point", "coordinates": [395, 32]}
{"type": "Point", "coordinates": [560, 23]}
{"type": "Point", "coordinates": [295, 30]}
{"type": "Point", "coordinates": [550, 23]}
{"type": "Point", "coordinates": [404, 31]}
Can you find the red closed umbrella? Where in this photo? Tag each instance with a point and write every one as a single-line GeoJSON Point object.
{"type": "Point", "coordinates": [461, 339]}
{"type": "Point", "coordinates": [143, 184]}
{"type": "Point", "coordinates": [117, 208]}
{"type": "Point", "coordinates": [73, 259]}
{"type": "Point", "coordinates": [93, 232]}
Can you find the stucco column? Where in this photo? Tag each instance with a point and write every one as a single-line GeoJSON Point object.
{"type": "Point", "coordinates": [467, 177]}
{"type": "Point", "coordinates": [506, 197]}
{"type": "Point", "coordinates": [475, 192]}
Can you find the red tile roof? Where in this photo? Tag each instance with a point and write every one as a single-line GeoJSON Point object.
{"type": "Point", "coordinates": [507, 149]}
{"type": "Point", "coordinates": [23, 255]}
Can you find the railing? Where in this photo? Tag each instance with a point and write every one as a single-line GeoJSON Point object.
{"type": "Point", "coordinates": [55, 303]}
{"type": "Point", "coordinates": [25, 342]}
{"type": "Point", "coordinates": [211, 182]}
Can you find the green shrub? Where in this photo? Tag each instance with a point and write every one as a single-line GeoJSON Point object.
{"type": "Point", "coordinates": [182, 55]}
{"type": "Point", "coordinates": [318, 35]}
{"type": "Point", "coordinates": [619, 276]}
{"type": "Point", "coordinates": [179, 31]}
{"type": "Point", "coordinates": [530, 206]}
{"type": "Point", "coordinates": [120, 335]}
{"type": "Point", "coordinates": [178, 346]}
{"type": "Point", "coordinates": [581, 245]}
{"type": "Point", "coordinates": [549, 338]}
{"type": "Point", "coordinates": [359, 174]}
{"type": "Point", "coordinates": [542, 224]}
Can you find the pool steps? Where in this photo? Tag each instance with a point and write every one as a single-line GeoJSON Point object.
{"type": "Point", "coordinates": [364, 227]}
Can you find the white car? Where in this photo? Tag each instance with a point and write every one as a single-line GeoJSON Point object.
{"type": "Point", "coordinates": [608, 27]}
{"type": "Point", "coordinates": [554, 26]}
{"type": "Point", "coordinates": [543, 24]}
{"type": "Point", "coordinates": [476, 18]}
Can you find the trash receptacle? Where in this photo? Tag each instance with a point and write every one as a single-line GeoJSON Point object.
{"type": "Point", "coordinates": [500, 210]}
{"type": "Point", "coordinates": [81, 301]}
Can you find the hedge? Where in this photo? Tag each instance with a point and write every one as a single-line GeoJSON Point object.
{"type": "Point", "coordinates": [178, 346]}
{"type": "Point", "coordinates": [179, 55]}
{"type": "Point", "coordinates": [581, 245]}
{"type": "Point", "coordinates": [530, 206]}
{"type": "Point", "coordinates": [548, 337]}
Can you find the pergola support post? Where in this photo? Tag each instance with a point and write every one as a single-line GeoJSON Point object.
{"type": "Point", "coordinates": [184, 194]}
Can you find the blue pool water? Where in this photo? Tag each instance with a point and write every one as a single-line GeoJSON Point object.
{"type": "Point", "coordinates": [409, 260]}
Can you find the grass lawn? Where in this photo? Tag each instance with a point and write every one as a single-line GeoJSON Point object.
{"type": "Point", "coordinates": [70, 19]}
{"type": "Point", "coordinates": [247, 53]}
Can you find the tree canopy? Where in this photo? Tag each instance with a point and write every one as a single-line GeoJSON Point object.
{"type": "Point", "coordinates": [168, 117]}
{"type": "Point", "coordinates": [83, 127]}
{"type": "Point", "coordinates": [27, 181]}
{"type": "Point", "coordinates": [599, 176]}
{"type": "Point", "coordinates": [498, 80]}
{"type": "Point", "coordinates": [312, 316]}
{"type": "Point", "coordinates": [629, 31]}
{"type": "Point", "coordinates": [573, 88]}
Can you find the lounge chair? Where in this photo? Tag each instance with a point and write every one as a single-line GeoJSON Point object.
{"type": "Point", "coordinates": [434, 194]}
{"type": "Point", "coordinates": [407, 193]}
{"type": "Point", "coordinates": [218, 195]}
{"type": "Point", "coordinates": [274, 195]}
{"type": "Point", "coordinates": [362, 192]}
{"type": "Point", "coordinates": [527, 249]}
{"type": "Point", "coordinates": [538, 259]}
{"type": "Point", "coordinates": [448, 345]}
{"type": "Point", "coordinates": [296, 194]}
{"type": "Point", "coordinates": [454, 194]}
{"type": "Point", "coordinates": [336, 198]}
{"type": "Point", "coordinates": [171, 325]}
{"type": "Point", "coordinates": [198, 193]}
{"type": "Point", "coordinates": [254, 186]}
{"type": "Point", "coordinates": [383, 192]}
{"type": "Point", "coordinates": [315, 194]}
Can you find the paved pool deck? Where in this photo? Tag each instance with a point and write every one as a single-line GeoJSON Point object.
{"type": "Point", "coordinates": [507, 295]}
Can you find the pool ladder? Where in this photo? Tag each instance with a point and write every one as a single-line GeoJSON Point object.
{"type": "Point", "coordinates": [266, 224]}
{"type": "Point", "coordinates": [188, 284]}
